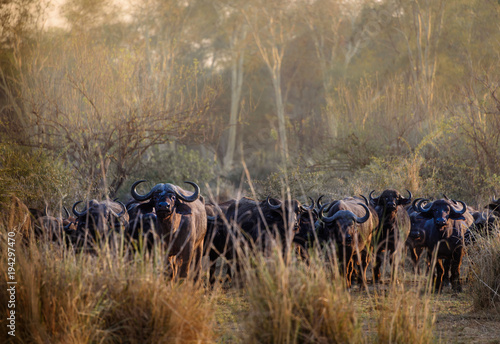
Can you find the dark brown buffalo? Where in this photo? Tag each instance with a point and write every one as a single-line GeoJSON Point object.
{"type": "Point", "coordinates": [415, 242]}
{"type": "Point", "coordinates": [181, 222]}
{"type": "Point", "coordinates": [218, 241]}
{"type": "Point", "coordinates": [142, 221]}
{"type": "Point", "coordinates": [485, 221]}
{"type": "Point", "coordinates": [443, 236]}
{"type": "Point", "coordinates": [99, 220]}
{"type": "Point", "coordinates": [305, 238]}
{"type": "Point", "coordinates": [393, 228]}
{"type": "Point", "coordinates": [494, 206]}
{"type": "Point", "coordinates": [250, 222]}
{"type": "Point", "coordinates": [349, 225]}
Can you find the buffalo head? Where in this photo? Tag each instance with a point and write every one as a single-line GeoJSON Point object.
{"type": "Point", "coordinates": [165, 197]}
{"type": "Point", "coordinates": [341, 225]}
{"type": "Point", "coordinates": [441, 210]}
{"type": "Point", "coordinates": [100, 216]}
{"type": "Point", "coordinates": [390, 199]}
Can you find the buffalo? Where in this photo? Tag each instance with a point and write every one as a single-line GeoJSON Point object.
{"type": "Point", "coordinates": [415, 242]}
{"type": "Point", "coordinates": [54, 228]}
{"type": "Point", "coordinates": [218, 241]}
{"type": "Point", "coordinates": [305, 238]}
{"type": "Point", "coordinates": [349, 225]}
{"type": "Point", "coordinates": [180, 222]}
{"type": "Point", "coordinates": [142, 221]}
{"type": "Point", "coordinates": [100, 219]}
{"type": "Point", "coordinates": [393, 228]}
{"type": "Point", "coordinates": [443, 235]}
{"type": "Point", "coordinates": [247, 221]}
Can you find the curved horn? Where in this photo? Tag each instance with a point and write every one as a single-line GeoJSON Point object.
{"type": "Point", "coordinates": [325, 218]}
{"type": "Point", "coordinates": [193, 197]}
{"type": "Point", "coordinates": [418, 199]}
{"type": "Point", "coordinates": [78, 214]}
{"type": "Point", "coordinates": [364, 198]}
{"type": "Point", "coordinates": [409, 195]}
{"type": "Point", "coordinates": [426, 209]}
{"type": "Point", "coordinates": [318, 201]}
{"type": "Point", "coordinates": [462, 211]}
{"type": "Point", "coordinates": [122, 212]}
{"type": "Point", "coordinates": [310, 208]}
{"type": "Point", "coordinates": [66, 212]}
{"type": "Point", "coordinates": [364, 218]}
{"type": "Point", "coordinates": [277, 206]}
{"type": "Point", "coordinates": [137, 196]}
{"type": "Point", "coordinates": [370, 196]}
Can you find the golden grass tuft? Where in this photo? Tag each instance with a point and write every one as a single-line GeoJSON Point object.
{"type": "Point", "coordinates": [297, 303]}
{"type": "Point", "coordinates": [484, 273]}
{"type": "Point", "coordinates": [64, 297]}
{"type": "Point", "coordinates": [404, 316]}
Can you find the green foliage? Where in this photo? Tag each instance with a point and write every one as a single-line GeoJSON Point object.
{"type": "Point", "coordinates": [297, 182]}
{"type": "Point", "coordinates": [37, 177]}
{"type": "Point", "coordinates": [398, 173]}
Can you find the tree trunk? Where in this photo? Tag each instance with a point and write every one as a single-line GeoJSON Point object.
{"type": "Point", "coordinates": [236, 87]}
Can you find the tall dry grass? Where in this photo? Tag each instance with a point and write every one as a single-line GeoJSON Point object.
{"type": "Point", "coordinates": [404, 315]}
{"type": "Point", "coordinates": [297, 303]}
{"type": "Point", "coordinates": [68, 297]}
{"type": "Point", "coordinates": [484, 272]}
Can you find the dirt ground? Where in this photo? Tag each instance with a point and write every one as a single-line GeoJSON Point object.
{"type": "Point", "coordinates": [457, 322]}
{"type": "Point", "coordinates": [455, 319]}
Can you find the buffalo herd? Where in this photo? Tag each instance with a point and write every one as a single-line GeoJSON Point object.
{"type": "Point", "coordinates": [349, 231]}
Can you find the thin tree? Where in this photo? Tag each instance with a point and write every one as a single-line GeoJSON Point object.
{"type": "Point", "coordinates": [272, 25]}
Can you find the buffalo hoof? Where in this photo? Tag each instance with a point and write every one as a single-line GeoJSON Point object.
{"type": "Point", "coordinates": [446, 282]}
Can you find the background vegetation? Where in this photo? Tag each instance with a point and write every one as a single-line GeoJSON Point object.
{"type": "Point", "coordinates": [398, 93]}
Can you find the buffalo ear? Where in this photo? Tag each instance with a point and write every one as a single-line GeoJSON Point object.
{"type": "Point", "coordinates": [183, 209]}
{"type": "Point", "coordinates": [454, 216]}
{"type": "Point", "coordinates": [374, 201]}
{"type": "Point", "coordinates": [404, 201]}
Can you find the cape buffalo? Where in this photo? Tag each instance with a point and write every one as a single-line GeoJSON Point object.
{"type": "Point", "coordinates": [443, 236]}
{"type": "Point", "coordinates": [181, 222]}
{"type": "Point", "coordinates": [349, 225]}
{"type": "Point", "coordinates": [100, 219]}
{"type": "Point", "coordinates": [142, 221]}
{"type": "Point", "coordinates": [53, 228]}
{"type": "Point", "coordinates": [247, 221]}
{"type": "Point", "coordinates": [393, 228]}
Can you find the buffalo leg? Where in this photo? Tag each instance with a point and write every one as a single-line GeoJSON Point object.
{"type": "Point", "coordinates": [446, 272]}
{"type": "Point", "coordinates": [196, 263]}
{"type": "Point", "coordinates": [348, 272]}
{"type": "Point", "coordinates": [376, 268]}
{"type": "Point", "coordinates": [456, 261]}
{"type": "Point", "coordinates": [364, 261]}
{"type": "Point", "coordinates": [438, 279]}
{"type": "Point", "coordinates": [186, 256]}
